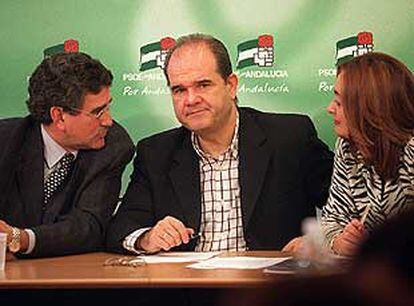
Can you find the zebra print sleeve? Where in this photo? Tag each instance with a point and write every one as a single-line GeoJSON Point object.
{"type": "Point", "coordinates": [337, 213]}
{"type": "Point", "coordinates": [409, 162]}
{"type": "Point", "coordinates": [354, 186]}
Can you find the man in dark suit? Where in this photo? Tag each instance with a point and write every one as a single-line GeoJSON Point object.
{"type": "Point", "coordinates": [61, 166]}
{"type": "Point", "coordinates": [235, 177]}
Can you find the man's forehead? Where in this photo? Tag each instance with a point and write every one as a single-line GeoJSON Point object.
{"type": "Point", "coordinates": [194, 61]}
{"type": "Point", "coordinates": [93, 100]}
{"type": "Point", "coordinates": [191, 55]}
{"type": "Point", "coordinates": [199, 49]}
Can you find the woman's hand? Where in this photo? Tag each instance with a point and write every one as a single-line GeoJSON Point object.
{"type": "Point", "coordinates": [347, 242]}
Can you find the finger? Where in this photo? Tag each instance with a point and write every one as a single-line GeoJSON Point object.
{"type": "Point", "coordinates": [150, 241]}
{"type": "Point", "coordinates": [190, 234]}
{"type": "Point", "coordinates": [354, 228]}
{"type": "Point", "coordinates": [168, 237]}
{"type": "Point", "coordinates": [4, 227]}
{"type": "Point", "coordinates": [354, 224]}
{"type": "Point", "coordinates": [347, 250]}
{"type": "Point", "coordinates": [351, 239]}
{"type": "Point", "coordinates": [343, 246]}
{"type": "Point", "coordinates": [158, 238]}
{"type": "Point", "coordinates": [358, 225]}
{"type": "Point", "coordinates": [163, 243]}
{"type": "Point", "coordinates": [352, 233]}
{"type": "Point", "coordinates": [165, 226]}
{"type": "Point", "coordinates": [349, 234]}
{"type": "Point", "coordinates": [173, 233]}
{"type": "Point", "coordinates": [180, 228]}
{"type": "Point", "coordinates": [288, 247]}
{"type": "Point", "coordinates": [292, 246]}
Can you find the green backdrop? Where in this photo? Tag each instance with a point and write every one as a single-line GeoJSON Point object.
{"type": "Point", "coordinates": [304, 33]}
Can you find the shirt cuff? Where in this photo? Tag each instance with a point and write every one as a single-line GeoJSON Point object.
{"type": "Point", "coordinates": [131, 239]}
{"type": "Point", "coordinates": [32, 241]}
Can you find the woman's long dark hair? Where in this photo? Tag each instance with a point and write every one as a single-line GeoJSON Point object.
{"type": "Point", "coordinates": [378, 101]}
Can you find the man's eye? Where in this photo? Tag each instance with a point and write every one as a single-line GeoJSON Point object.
{"type": "Point", "coordinates": [203, 85]}
{"type": "Point", "coordinates": [178, 90]}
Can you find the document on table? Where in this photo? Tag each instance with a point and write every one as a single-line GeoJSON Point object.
{"type": "Point", "coordinates": [237, 262]}
{"type": "Point", "coordinates": [177, 257]}
{"type": "Point", "coordinates": [290, 266]}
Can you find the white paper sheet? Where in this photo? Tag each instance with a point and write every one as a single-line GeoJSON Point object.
{"type": "Point", "coordinates": [177, 257]}
{"type": "Point", "coordinates": [237, 262]}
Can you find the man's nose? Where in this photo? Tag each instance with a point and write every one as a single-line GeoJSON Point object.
{"type": "Point", "coordinates": [330, 108]}
{"type": "Point", "coordinates": [106, 119]}
{"type": "Point", "coordinates": [192, 96]}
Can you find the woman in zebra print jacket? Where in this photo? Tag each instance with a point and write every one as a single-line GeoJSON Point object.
{"type": "Point", "coordinates": [373, 178]}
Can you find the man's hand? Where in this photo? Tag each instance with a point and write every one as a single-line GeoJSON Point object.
{"type": "Point", "coordinates": [293, 245]}
{"type": "Point", "coordinates": [347, 242]}
{"type": "Point", "coordinates": [166, 234]}
{"type": "Point", "coordinates": [24, 237]}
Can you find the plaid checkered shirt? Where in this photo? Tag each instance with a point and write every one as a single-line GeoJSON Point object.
{"type": "Point", "coordinates": [221, 225]}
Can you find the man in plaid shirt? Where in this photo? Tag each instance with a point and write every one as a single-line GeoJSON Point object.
{"type": "Point", "coordinates": [230, 178]}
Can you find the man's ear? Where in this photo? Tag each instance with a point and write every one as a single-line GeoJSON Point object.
{"type": "Point", "coordinates": [232, 83]}
{"type": "Point", "coordinates": [58, 117]}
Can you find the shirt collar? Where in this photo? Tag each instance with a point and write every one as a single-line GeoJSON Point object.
{"type": "Point", "coordinates": [233, 148]}
{"type": "Point", "coordinates": [53, 152]}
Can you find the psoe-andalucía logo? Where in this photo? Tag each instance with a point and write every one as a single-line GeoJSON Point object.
{"type": "Point", "coordinates": [153, 55]}
{"type": "Point", "coordinates": [259, 52]}
{"type": "Point", "coordinates": [353, 46]}
{"type": "Point", "coordinates": [256, 54]}
{"type": "Point", "coordinates": [69, 46]}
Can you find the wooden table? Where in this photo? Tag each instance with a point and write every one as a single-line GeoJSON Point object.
{"type": "Point", "coordinates": [88, 271]}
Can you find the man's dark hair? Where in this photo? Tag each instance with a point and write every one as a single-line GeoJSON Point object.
{"type": "Point", "coordinates": [63, 80]}
{"type": "Point", "coordinates": [218, 49]}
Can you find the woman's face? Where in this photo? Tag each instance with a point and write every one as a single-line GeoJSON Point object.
{"type": "Point", "coordinates": [335, 108]}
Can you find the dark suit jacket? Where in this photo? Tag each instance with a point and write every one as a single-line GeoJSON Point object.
{"type": "Point", "coordinates": [78, 215]}
{"type": "Point", "coordinates": [284, 172]}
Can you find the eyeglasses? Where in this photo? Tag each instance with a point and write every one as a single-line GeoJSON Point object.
{"type": "Point", "coordinates": [124, 261]}
{"type": "Point", "coordinates": [97, 115]}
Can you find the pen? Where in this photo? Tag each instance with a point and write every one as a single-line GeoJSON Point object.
{"type": "Point", "coordinates": [365, 213]}
{"type": "Point", "coordinates": [195, 236]}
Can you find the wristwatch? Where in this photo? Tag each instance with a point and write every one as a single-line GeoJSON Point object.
{"type": "Point", "coordinates": [14, 243]}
